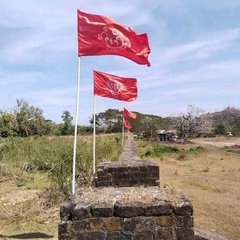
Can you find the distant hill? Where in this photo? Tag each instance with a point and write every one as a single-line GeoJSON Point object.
{"type": "Point", "coordinates": [227, 114]}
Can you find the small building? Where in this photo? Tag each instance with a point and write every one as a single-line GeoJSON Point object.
{"type": "Point", "coordinates": [166, 135]}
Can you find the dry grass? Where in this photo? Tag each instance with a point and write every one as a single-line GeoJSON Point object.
{"type": "Point", "coordinates": [23, 210]}
{"type": "Point", "coordinates": [208, 176]}
{"type": "Point", "coordinates": [210, 179]}
{"type": "Point", "coordinates": [28, 209]}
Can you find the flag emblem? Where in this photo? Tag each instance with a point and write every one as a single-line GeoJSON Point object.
{"type": "Point", "coordinates": [114, 86]}
{"type": "Point", "coordinates": [114, 39]}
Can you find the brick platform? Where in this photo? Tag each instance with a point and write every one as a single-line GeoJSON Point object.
{"type": "Point", "coordinates": [127, 213]}
{"type": "Point", "coordinates": [126, 203]}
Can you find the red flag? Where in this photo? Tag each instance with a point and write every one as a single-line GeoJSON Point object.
{"type": "Point", "coordinates": [100, 35]}
{"type": "Point", "coordinates": [127, 124]}
{"type": "Point", "coordinates": [129, 114]}
{"type": "Point", "coordinates": [111, 86]}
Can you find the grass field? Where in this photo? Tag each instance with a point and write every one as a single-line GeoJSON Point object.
{"type": "Point", "coordinates": [207, 173]}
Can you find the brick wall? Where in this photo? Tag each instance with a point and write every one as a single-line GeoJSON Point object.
{"type": "Point", "coordinates": [127, 174]}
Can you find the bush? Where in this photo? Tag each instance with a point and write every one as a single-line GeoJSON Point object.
{"type": "Point", "coordinates": [158, 151]}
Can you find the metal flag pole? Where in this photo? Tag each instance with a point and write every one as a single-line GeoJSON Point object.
{"type": "Point", "coordinates": [94, 133]}
{"type": "Point", "coordinates": [75, 130]}
{"type": "Point", "coordinates": [122, 131]}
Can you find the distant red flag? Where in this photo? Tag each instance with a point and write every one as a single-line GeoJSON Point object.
{"type": "Point", "coordinates": [129, 114]}
{"type": "Point", "coordinates": [100, 35]}
{"type": "Point", "coordinates": [127, 124]}
{"type": "Point", "coordinates": [111, 86]}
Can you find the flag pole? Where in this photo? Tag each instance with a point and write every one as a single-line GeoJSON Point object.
{"type": "Point", "coordinates": [75, 130]}
{"type": "Point", "coordinates": [122, 131]}
{"type": "Point", "coordinates": [94, 133]}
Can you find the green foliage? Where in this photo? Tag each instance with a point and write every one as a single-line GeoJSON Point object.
{"type": "Point", "coordinates": [236, 126]}
{"type": "Point", "coordinates": [86, 130]}
{"type": "Point", "coordinates": [149, 124]}
{"type": "Point", "coordinates": [220, 128]}
{"type": "Point", "coordinates": [109, 121]}
{"type": "Point", "coordinates": [21, 157]}
{"type": "Point", "coordinates": [157, 151]}
{"type": "Point", "coordinates": [67, 128]}
{"type": "Point", "coordinates": [8, 124]}
{"type": "Point", "coordinates": [30, 120]}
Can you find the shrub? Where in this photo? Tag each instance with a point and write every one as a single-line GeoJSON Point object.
{"type": "Point", "coordinates": [158, 151]}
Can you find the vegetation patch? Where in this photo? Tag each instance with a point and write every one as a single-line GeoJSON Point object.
{"type": "Point", "coordinates": [21, 159]}
{"type": "Point", "coordinates": [198, 149]}
{"type": "Point", "coordinates": [233, 149]}
{"type": "Point", "coordinates": [158, 151]}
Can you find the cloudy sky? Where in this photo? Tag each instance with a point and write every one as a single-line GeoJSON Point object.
{"type": "Point", "coordinates": [195, 55]}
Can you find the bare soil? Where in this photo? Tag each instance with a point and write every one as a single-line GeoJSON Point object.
{"type": "Point", "coordinates": [211, 180]}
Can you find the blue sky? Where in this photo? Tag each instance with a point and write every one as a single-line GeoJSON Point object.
{"type": "Point", "coordinates": [195, 49]}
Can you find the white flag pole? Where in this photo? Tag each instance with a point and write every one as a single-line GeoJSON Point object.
{"type": "Point", "coordinates": [122, 131]}
{"type": "Point", "coordinates": [75, 131]}
{"type": "Point", "coordinates": [94, 133]}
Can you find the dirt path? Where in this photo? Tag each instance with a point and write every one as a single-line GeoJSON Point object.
{"type": "Point", "coordinates": [218, 142]}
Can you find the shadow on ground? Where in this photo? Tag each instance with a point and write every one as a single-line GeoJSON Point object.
{"type": "Point", "coordinates": [32, 235]}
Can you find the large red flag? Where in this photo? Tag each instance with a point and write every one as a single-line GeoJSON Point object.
{"type": "Point", "coordinates": [127, 124]}
{"type": "Point", "coordinates": [129, 114]}
{"type": "Point", "coordinates": [111, 86]}
{"type": "Point", "coordinates": [100, 35]}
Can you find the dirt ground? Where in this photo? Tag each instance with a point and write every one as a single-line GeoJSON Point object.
{"type": "Point", "coordinates": [211, 180]}
{"type": "Point", "coordinates": [23, 214]}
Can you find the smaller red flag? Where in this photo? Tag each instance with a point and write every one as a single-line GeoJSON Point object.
{"type": "Point", "coordinates": [129, 114]}
{"type": "Point", "coordinates": [111, 86]}
{"type": "Point", "coordinates": [127, 124]}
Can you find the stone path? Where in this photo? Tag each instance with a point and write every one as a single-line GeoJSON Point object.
{"type": "Point", "coordinates": [128, 171]}
{"type": "Point", "coordinates": [129, 151]}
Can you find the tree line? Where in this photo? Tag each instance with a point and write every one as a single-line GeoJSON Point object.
{"type": "Point", "coordinates": [26, 120]}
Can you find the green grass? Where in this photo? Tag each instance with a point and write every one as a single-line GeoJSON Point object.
{"type": "Point", "coordinates": [158, 151]}
{"type": "Point", "coordinates": [37, 160]}
{"type": "Point", "coordinates": [162, 151]}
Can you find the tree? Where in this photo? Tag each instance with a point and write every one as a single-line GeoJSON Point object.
{"type": "Point", "coordinates": [30, 120]}
{"type": "Point", "coordinates": [148, 124]}
{"type": "Point", "coordinates": [236, 126]}
{"type": "Point", "coordinates": [152, 123]}
{"type": "Point", "coordinates": [220, 128]}
{"type": "Point", "coordinates": [8, 124]}
{"type": "Point", "coordinates": [189, 124]}
{"type": "Point", "coordinates": [67, 128]}
{"type": "Point", "coordinates": [110, 120]}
